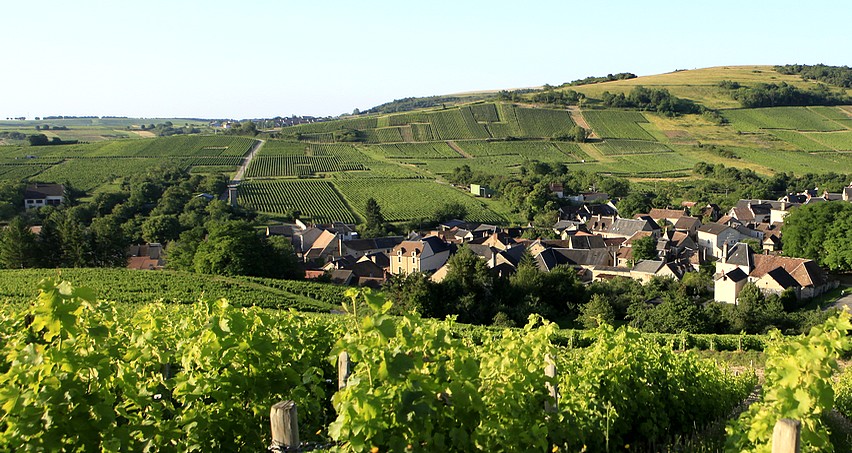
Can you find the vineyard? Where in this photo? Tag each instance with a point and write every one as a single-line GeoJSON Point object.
{"type": "Point", "coordinates": [411, 199]}
{"type": "Point", "coordinates": [792, 118]}
{"type": "Point", "coordinates": [477, 121]}
{"type": "Point", "coordinates": [134, 287]}
{"type": "Point", "coordinates": [525, 150]}
{"type": "Point", "coordinates": [617, 147]}
{"type": "Point", "coordinates": [799, 140]}
{"type": "Point", "coordinates": [839, 141]}
{"type": "Point", "coordinates": [438, 150]}
{"type": "Point", "coordinates": [617, 124]}
{"type": "Point", "coordinates": [270, 166]}
{"type": "Point", "coordinates": [313, 198]}
{"type": "Point", "coordinates": [203, 376]}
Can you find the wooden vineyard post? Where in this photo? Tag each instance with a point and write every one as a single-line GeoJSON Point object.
{"type": "Point", "coordinates": [551, 405]}
{"type": "Point", "coordinates": [344, 369]}
{"type": "Point", "coordinates": [785, 436]}
{"type": "Point", "coordinates": [285, 425]}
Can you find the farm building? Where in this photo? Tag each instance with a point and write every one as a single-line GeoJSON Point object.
{"type": "Point", "coordinates": [38, 195]}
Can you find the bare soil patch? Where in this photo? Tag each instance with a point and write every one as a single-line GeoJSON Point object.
{"type": "Point", "coordinates": [458, 149]}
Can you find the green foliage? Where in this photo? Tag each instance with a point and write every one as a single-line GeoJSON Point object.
{"type": "Point", "coordinates": [653, 99]}
{"type": "Point", "coordinates": [840, 76]}
{"type": "Point", "coordinates": [644, 248]}
{"type": "Point", "coordinates": [79, 376]}
{"type": "Point", "coordinates": [819, 232]}
{"type": "Point", "coordinates": [596, 311]}
{"type": "Point", "coordinates": [798, 385]}
{"type": "Point", "coordinates": [415, 386]}
{"type": "Point", "coordinates": [772, 95]}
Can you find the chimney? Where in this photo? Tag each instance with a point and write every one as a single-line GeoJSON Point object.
{"type": "Point", "coordinates": [725, 252]}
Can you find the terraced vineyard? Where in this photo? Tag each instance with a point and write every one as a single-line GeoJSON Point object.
{"type": "Point", "coordinates": [402, 200]}
{"type": "Point", "coordinates": [617, 124]}
{"type": "Point", "coordinates": [315, 199]}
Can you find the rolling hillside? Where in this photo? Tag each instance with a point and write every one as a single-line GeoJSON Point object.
{"type": "Point", "coordinates": [326, 170]}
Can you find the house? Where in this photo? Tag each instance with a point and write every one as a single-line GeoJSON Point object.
{"type": "Point", "coordinates": [688, 225]}
{"type": "Point", "coordinates": [557, 189]}
{"type": "Point", "coordinates": [772, 274]}
{"type": "Point", "coordinates": [727, 286]}
{"type": "Point", "coordinates": [711, 212]}
{"type": "Point", "coordinates": [39, 195]}
{"type": "Point", "coordinates": [622, 227]}
{"type": "Point", "coordinates": [645, 270]}
{"type": "Point", "coordinates": [145, 256]}
{"type": "Point", "coordinates": [316, 244]}
{"type": "Point", "coordinates": [551, 257]}
{"type": "Point", "coordinates": [586, 211]}
{"type": "Point", "coordinates": [588, 197]}
{"type": "Point", "coordinates": [715, 238]}
{"type": "Point", "coordinates": [285, 229]}
{"type": "Point", "coordinates": [669, 215]}
{"type": "Point", "coordinates": [363, 247]}
{"type": "Point", "coordinates": [424, 255]}
{"type": "Point", "coordinates": [846, 194]}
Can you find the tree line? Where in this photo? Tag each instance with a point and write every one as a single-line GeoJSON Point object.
{"type": "Point", "coordinates": [783, 94]}
{"type": "Point", "coordinates": [840, 76]}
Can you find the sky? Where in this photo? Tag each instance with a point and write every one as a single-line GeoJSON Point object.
{"type": "Point", "coordinates": [261, 59]}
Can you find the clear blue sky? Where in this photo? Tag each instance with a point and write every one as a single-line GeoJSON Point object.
{"type": "Point", "coordinates": [253, 59]}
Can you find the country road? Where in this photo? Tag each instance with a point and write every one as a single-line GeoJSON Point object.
{"type": "Point", "coordinates": [247, 160]}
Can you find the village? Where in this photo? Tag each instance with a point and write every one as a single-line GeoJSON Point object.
{"type": "Point", "coordinates": [744, 245]}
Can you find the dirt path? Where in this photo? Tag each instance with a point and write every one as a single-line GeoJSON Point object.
{"type": "Point", "coordinates": [247, 160]}
{"type": "Point", "coordinates": [579, 120]}
{"type": "Point", "coordinates": [458, 149]}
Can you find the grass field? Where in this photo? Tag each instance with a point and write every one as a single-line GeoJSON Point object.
{"type": "Point", "coordinates": [699, 85]}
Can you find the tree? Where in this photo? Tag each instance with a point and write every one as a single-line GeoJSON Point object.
{"type": "Point", "coordinates": [468, 283]}
{"type": "Point", "coordinates": [808, 233]}
{"type": "Point", "coordinates": [17, 245]}
{"type": "Point", "coordinates": [838, 245]}
{"type": "Point", "coordinates": [161, 228]}
{"type": "Point", "coordinates": [644, 248]}
{"type": "Point", "coordinates": [231, 248]}
{"type": "Point", "coordinates": [282, 259]}
{"type": "Point", "coordinates": [375, 226]}
{"type": "Point", "coordinates": [596, 312]}
{"type": "Point", "coordinates": [579, 134]}
{"type": "Point", "coordinates": [449, 211]}
{"type": "Point", "coordinates": [109, 246]}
